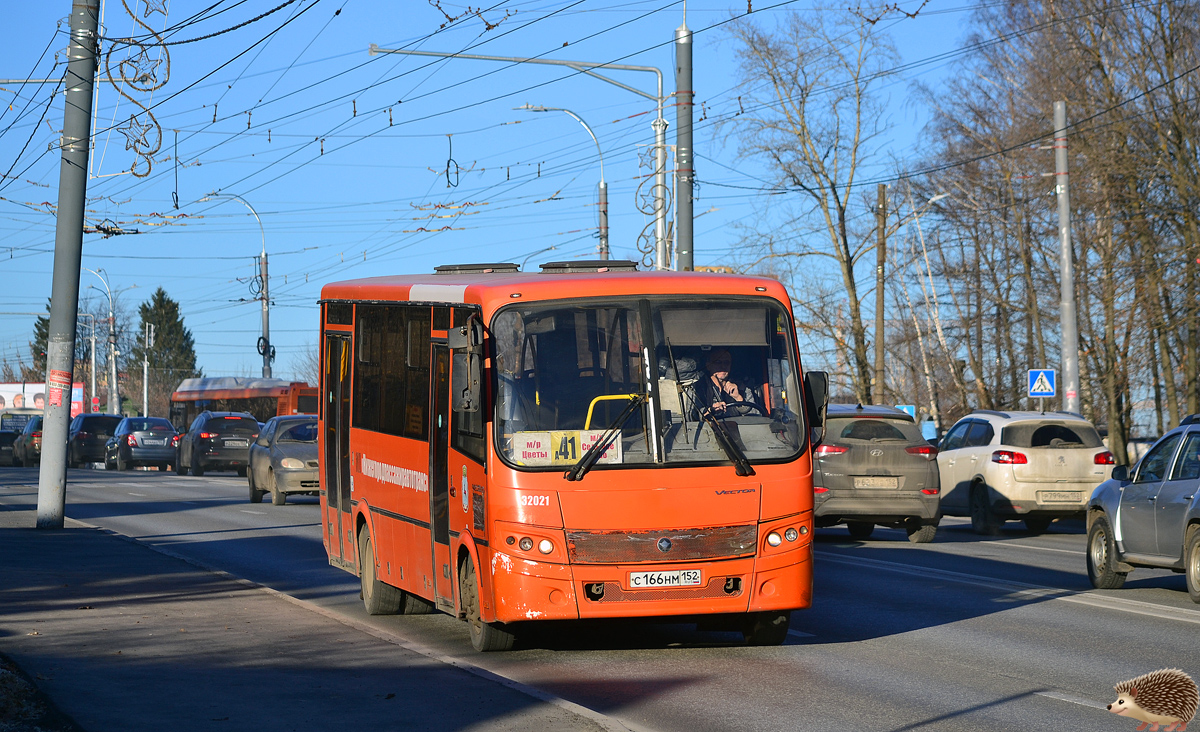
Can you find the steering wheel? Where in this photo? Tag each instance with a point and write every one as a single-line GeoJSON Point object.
{"type": "Point", "coordinates": [743, 409]}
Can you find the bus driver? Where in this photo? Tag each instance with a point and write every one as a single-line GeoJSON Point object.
{"type": "Point", "coordinates": [724, 393]}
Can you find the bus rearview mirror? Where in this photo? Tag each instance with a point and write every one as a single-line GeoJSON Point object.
{"type": "Point", "coordinates": [816, 387]}
{"type": "Point", "coordinates": [464, 382]}
{"type": "Point", "coordinates": [467, 336]}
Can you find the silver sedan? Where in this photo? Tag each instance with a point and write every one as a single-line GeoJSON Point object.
{"type": "Point", "coordinates": [283, 459]}
{"type": "Point", "coordinates": [1149, 516]}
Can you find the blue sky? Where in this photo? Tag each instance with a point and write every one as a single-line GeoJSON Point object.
{"type": "Point", "coordinates": [343, 155]}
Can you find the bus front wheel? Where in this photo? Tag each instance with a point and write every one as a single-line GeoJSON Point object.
{"type": "Point", "coordinates": [766, 629]}
{"type": "Point", "coordinates": [379, 597]}
{"type": "Point", "coordinates": [484, 636]}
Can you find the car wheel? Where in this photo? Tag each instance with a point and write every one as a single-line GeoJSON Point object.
{"type": "Point", "coordinates": [164, 467]}
{"type": "Point", "coordinates": [121, 464]}
{"type": "Point", "coordinates": [108, 465]}
{"type": "Point", "coordinates": [180, 468]}
{"type": "Point", "coordinates": [278, 497]}
{"type": "Point", "coordinates": [484, 636]}
{"type": "Point", "coordinates": [379, 597]}
{"type": "Point", "coordinates": [256, 495]}
{"type": "Point", "coordinates": [1191, 553]}
{"type": "Point", "coordinates": [983, 519]}
{"type": "Point", "coordinates": [1037, 524]}
{"type": "Point", "coordinates": [919, 533]}
{"type": "Point", "coordinates": [860, 529]}
{"type": "Point", "coordinates": [1102, 557]}
{"type": "Point", "coordinates": [197, 468]}
{"type": "Point", "coordinates": [766, 629]}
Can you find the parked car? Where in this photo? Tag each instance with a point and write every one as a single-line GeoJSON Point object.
{"type": "Point", "coordinates": [283, 459]}
{"type": "Point", "coordinates": [27, 450]}
{"type": "Point", "coordinates": [1034, 466]}
{"type": "Point", "coordinates": [1149, 516]}
{"type": "Point", "coordinates": [216, 441]}
{"type": "Point", "coordinates": [874, 467]}
{"type": "Point", "coordinates": [140, 441]}
{"type": "Point", "coordinates": [7, 438]}
{"type": "Point", "coordinates": [87, 435]}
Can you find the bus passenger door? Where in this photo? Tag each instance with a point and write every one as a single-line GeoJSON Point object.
{"type": "Point", "coordinates": [337, 449]}
{"type": "Point", "coordinates": [439, 478]}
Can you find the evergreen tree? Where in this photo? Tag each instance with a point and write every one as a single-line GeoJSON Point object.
{"type": "Point", "coordinates": [172, 355]}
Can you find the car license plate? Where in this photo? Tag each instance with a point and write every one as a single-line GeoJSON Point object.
{"type": "Point", "coordinates": [148, 443]}
{"type": "Point", "coordinates": [236, 443]}
{"type": "Point", "coordinates": [876, 481]}
{"type": "Point", "coordinates": [1060, 496]}
{"type": "Point", "coordinates": [678, 578]}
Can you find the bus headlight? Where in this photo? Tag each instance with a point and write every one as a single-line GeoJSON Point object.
{"type": "Point", "coordinates": [526, 544]}
{"type": "Point", "coordinates": [774, 539]}
{"type": "Point", "coordinates": [790, 535]}
{"type": "Point", "coordinates": [545, 546]}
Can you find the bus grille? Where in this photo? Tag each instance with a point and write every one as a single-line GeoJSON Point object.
{"type": "Point", "coordinates": [619, 547]}
{"type": "Point", "coordinates": [716, 587]}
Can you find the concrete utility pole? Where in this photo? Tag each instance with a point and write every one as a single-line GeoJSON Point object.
{"type": "Point", "coordinates": [68, 250]}
{"type": "Point", "coordinates": [146, 369]}
{"type": "Point", "coordinates": [1066, 312]}
{"type": "Point", "coordinates": [684, 160]}
{"type": "Point", "coordinates": [587, 67]}
{"type": "Point", "coordinates": [880, 260]}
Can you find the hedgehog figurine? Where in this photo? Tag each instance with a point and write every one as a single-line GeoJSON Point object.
{"type": "Point", "coordinates": [1168, 697]}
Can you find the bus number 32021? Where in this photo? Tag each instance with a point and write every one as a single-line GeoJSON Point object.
{"type": "Point", "coordinates": [535, 500]}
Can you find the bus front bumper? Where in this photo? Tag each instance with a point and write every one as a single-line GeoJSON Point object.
{"type": "Point", "coordinates": [527, 590]}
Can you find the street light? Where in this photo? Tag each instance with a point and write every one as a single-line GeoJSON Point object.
{"type": "Point", "coordinates": [603, 185]}
{"type": "Point", "coordinates": [264, 343]}
{"type": "Point", "coordinates": [114, 394]}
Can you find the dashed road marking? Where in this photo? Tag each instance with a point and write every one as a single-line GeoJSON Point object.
{"type": "Point", "coordinates": [1072, 699]}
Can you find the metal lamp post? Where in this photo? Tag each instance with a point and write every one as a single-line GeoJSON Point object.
{"type": "Point", "coordinates": [114, 393]}
{"type": "Point", "coordinates": [264, 343]}
{"type": "Point", "coordinates": [603, 185]}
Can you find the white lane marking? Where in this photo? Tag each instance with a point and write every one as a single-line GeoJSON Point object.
{"type": "Point", "coordinates": [800, 634]}
{"type": "Point", "coordinates": [1022, 590]}
{"type": "Point", "coordinates": [260, 513]}
{"type": "Point", "coordinates": [1038, 548]}
{"type": "Point", "coordinates": [1070, 698]}
{"type": "Point", "coordinates": [140, 495]}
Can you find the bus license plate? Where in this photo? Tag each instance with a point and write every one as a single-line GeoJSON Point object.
{"type": "Point", "coordinates": [678, 578]}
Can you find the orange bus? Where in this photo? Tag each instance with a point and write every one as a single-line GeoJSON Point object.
{"type": "Point", "coordinates": [512, 447]}
{"type": "Point", "coordinates": [263, 398]}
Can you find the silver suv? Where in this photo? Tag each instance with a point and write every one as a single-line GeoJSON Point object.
{"type": "Point", "coordinates": [1033, 466]}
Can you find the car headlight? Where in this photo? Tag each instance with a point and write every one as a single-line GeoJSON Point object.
{"type": "Point", "coordinates": [291, 463]}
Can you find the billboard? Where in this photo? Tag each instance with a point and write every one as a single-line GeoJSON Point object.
{"type": "Point", "coordinates": [29, 395]}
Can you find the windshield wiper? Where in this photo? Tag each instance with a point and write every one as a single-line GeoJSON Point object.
{"type": "Point", "coordinates": [741, 464]}
{"type": "Point", "coordinates": [579, 469]}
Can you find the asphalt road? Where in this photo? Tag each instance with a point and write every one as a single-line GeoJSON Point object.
{"type": "Point", "coordinates": [965, 633]}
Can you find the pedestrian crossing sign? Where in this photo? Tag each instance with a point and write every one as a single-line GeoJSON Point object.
{"type": "Point", "coordinates": [1041, 382]}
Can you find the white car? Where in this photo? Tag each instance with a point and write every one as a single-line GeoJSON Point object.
{"type": "Point", "coordinates": [1034, 466]}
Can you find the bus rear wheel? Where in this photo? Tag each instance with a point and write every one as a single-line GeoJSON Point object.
{"type": "Point", "coordinates": [379, 597]}
{"type": "Point", "coordinates": [484, 636]}
{"type": "Point", "coordinates": [766, 628]}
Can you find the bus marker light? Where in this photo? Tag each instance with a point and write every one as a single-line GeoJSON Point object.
{"type": "Point", "coordinates": [803, 530]}
{"type": "Point", "coordinates": [774, 539]}
{"type": "Point", "coordinates": [510, 540]}
{"type": "Point", "coordinates": [545, 546]}
{"type": "Point", "coordinates": [790, 535]}
{"type": "Point", "coordinates": [760, 289]}
{"type": "Point", "coordinates": [526, 544]}
{"type": "Point", "coordinates": [515, 295]}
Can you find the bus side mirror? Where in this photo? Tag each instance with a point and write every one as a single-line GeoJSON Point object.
{"type": "Point", "coordinates": [816, 387]}
{"type": "Point", "coordinates": [466, 341]}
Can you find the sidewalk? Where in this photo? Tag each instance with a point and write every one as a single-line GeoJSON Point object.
{"type": "Point", "coordinates": [124, 638]}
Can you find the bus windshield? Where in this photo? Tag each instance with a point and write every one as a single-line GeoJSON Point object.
{"type": "Point", "coordinates": [566, 372]}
